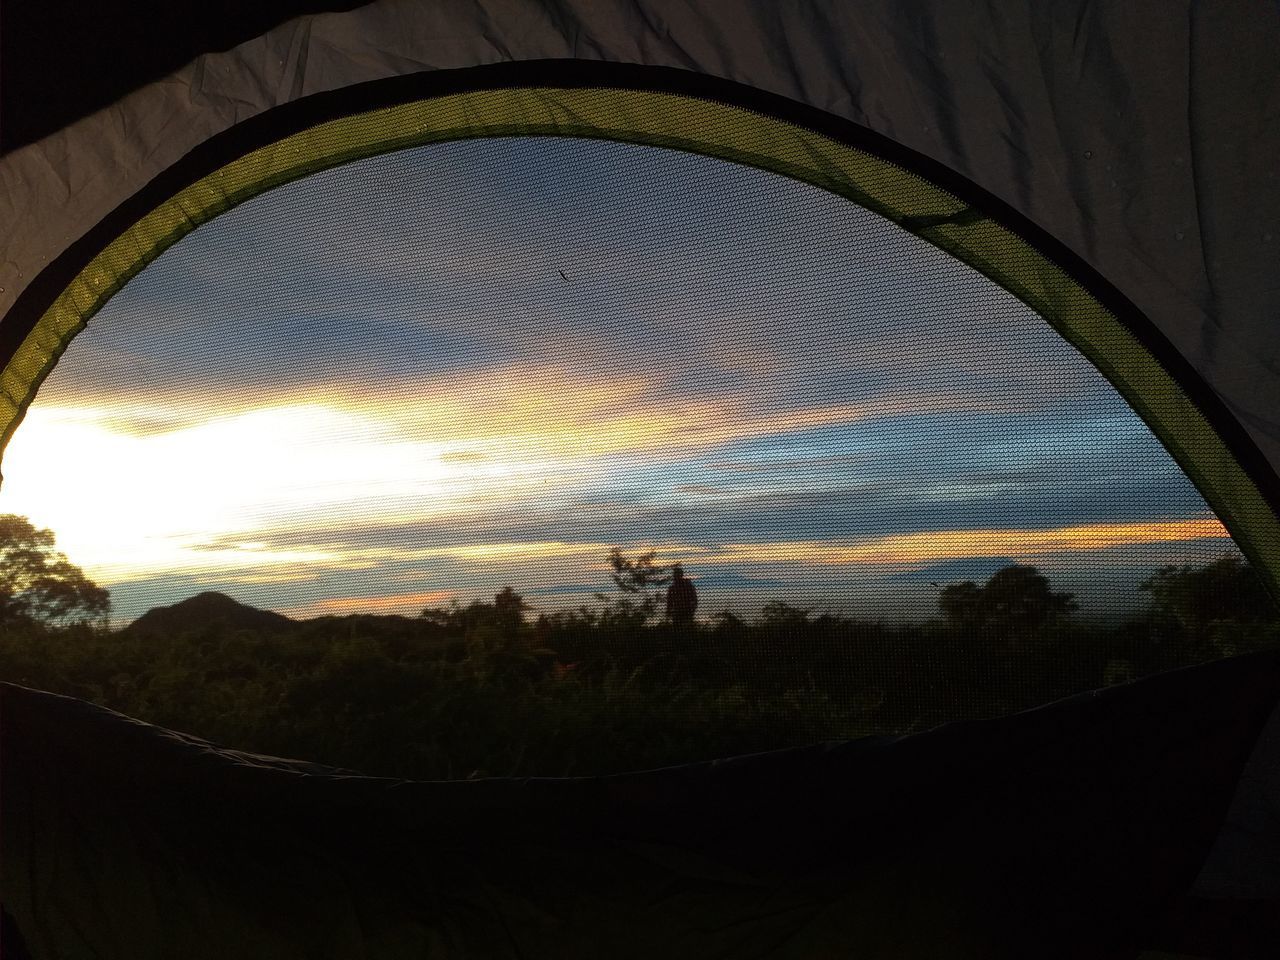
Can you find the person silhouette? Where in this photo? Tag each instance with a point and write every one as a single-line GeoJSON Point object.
{"type": "Point", "coordinates": [682, 597]}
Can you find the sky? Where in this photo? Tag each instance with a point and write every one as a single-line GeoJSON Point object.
{"type": "Point", "coordinates": [427, 375]}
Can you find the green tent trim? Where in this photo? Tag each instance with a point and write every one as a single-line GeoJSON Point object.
{"type": "Point", "coordinates": [710, 128]}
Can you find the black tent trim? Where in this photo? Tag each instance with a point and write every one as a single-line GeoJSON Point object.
{"type": "Point", "coordinates": [975, 205]}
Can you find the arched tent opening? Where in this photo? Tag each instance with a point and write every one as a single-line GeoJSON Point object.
{"type": "Point", "coordinates": [648, 107]}
{"type": "Point", "coordinates": [910, 429]}
{"type": "Point", "coordinates": [643, 109]}
{"type": "Point", "coordinates": [914, 207]}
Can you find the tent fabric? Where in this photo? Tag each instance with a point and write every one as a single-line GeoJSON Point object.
{"type": "Point", "coordinates": [115, 51]}
{"type": "Point", "coordinates": [1139, 135]}
{"type": "Point", "coordinates": [1245, 860]}
{"type": "Point", "coordinates": [1064, 831]}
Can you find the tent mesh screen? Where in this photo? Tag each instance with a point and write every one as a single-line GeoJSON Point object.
{"type": "Point", "coordinates": [456, 410]}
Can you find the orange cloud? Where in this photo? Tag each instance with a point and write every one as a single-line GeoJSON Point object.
{"type": "Point", "coordinates": [402, 603]}
{"type": "Point", "coordinates": [911, 548]}
{"type": "Point", "coordinates": [522, 410]}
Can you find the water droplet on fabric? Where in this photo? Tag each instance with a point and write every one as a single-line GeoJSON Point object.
{"type": "Point", "coordinates": [1088, 154]}
{"type": "Point", "coordinates": [1179, 234]}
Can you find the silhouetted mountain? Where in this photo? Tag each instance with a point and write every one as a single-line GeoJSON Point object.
{"type": "Point", "coordinates": [208, 611]}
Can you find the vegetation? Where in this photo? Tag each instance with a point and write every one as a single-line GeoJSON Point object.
{"type": "Point", "coordinates": [491, 689]}
{"type": "Point", "coordinates": [39, 584]}
{"type": "Point", "coordinates": [1014, 602]}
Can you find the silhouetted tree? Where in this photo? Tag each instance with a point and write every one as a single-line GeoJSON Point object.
{"type": "Point", "coordinates": [508, 610]}
{"type": "Point", "coordinates": [1194, 597]}
{"type": "Point", "coordinates": [37, 583]}
{"type": "Point", "coordinates": [961, 604]}
{"type": "Point", "coordinates": [641, 580]}
{"type": "Point", "coordinates": [503, 617]}
{"type": "Point", "coordinates": [776, 613]}
{"type": "Point", "coordinates": [729, 624]}
{"type": "Point", "coordinates": [1198, 613]}
{"type": "Point", "coordinates": [448, 618]}
{"type": "Point", "coordinates": [1015, 600]}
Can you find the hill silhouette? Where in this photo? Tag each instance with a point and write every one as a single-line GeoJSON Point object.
{"type": "Point", "coordinates": [205, 611]}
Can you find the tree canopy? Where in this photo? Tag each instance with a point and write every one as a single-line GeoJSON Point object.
{"type": "Point", "coordinates": [1016, 599]}
{"type": "Point", "coordinates": [490, 687]}
{"type": "Point", "coordinates": [642, 581]}
{"type": "Point", "coordinates": [39, 584]}
{"type": "Point", "coordinates": [1226, 590]}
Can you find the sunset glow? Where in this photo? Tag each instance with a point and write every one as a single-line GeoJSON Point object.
{"type": "Point", "coordinates": [339, 399]}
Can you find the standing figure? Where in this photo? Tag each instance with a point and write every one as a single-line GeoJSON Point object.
{"type": "Point", "coordinates": [682, 597]}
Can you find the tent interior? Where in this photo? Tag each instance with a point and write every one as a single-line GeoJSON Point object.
{"type": "Point", "coordinates": [683, 478]}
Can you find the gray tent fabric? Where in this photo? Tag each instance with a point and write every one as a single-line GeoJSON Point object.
{"type": "Point", "coordinates": [1245, 860]}
{"type": "Point", "coordinates": [1143, 136]}
{"type": "Point", "coordinates": [1072, 830]}
{"type": "Point", "coordinates": [1140, 135]}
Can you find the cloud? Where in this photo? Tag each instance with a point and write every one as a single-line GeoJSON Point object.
{"type": "Point", "coordinates": [914, 554]}
{"type": "Point", "coordinates": [379, 370]}
{"type": "Point", "coordinates": [403, 604]}
{"type": "Point", "coordinates": [737, 581]}
{"type": "Point", "coordinates": [378, 278]}
{"type": "Point", "coordinates": [962, 568]}
{"type": "Point", "coordinates": [915, 548]}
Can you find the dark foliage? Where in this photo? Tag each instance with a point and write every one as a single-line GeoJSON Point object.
{"type": "Point", "coordinates": [492, 689]}
{"type": "Point", "coordinates": [1015, 601]}
{"type": "Point", "coordinates": [40, 585]}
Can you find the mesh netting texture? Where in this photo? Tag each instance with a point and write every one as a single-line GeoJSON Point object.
{"type": "Point", "coordinates": [391, 468]}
